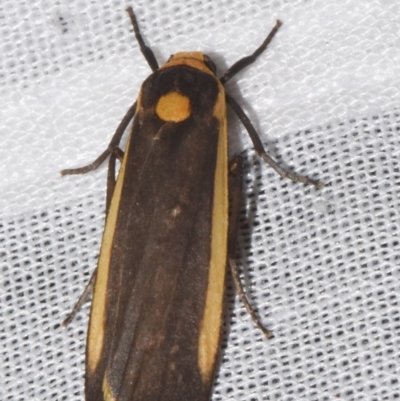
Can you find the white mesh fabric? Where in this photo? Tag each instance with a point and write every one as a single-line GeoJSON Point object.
{"type": "Point", "coordinates": [322, 267]}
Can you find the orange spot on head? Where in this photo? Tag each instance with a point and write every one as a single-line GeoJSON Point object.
{"type": "Point", "coordinates": [173, 107]}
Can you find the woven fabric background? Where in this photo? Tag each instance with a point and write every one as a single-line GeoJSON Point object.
{"type": "Point", "coordinates": [321, 266]}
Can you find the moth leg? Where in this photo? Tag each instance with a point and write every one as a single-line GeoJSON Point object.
{"type": "Point", "coordinates": [246, 61]}
{"type": "Point", "coordinates": [89, 287]}
{"type": "Point", "coordinates": [259, 147]}
{"type": "Point", "coordinates": [82, 299]}
{"type": "Point", "coordinates": [110, 180]}
{"type": "Point", "coordinates": [146, 51]}
{"type": "Point", "coordinates": [111, 148]}
{"type": "Point", "coordinates": [235, 194]}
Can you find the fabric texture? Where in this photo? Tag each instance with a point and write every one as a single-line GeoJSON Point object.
{"type": "Point", "coordinates": [320, 266]}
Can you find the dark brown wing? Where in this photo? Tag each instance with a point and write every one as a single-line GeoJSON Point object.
{"type": "Point", "coordinates": [146, 324]}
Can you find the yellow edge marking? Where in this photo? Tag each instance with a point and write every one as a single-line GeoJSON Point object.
{"type": "Point", "coordinates": [212, 318]}
{"type": "Point", "coordinates": [191, 59]}
{"type": "Point", "coordinates": [107, 391]}
{"type": "Point", "coordinates": [98, 311]}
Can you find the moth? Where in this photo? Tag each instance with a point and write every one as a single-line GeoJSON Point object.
{"type": "Point", "coordinates": [157, 308]}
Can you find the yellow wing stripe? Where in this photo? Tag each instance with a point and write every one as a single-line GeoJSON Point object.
{"type": "Point", "coordinates": [210, 328]}
{"type": "Point", "coordinates": [98, 312]}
